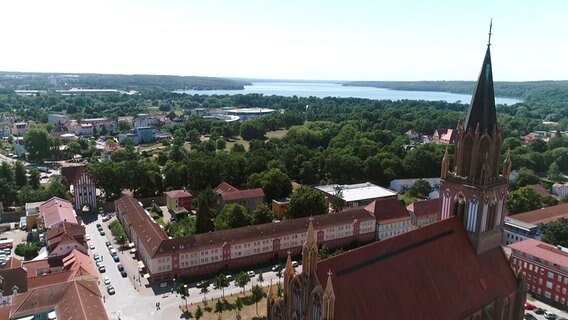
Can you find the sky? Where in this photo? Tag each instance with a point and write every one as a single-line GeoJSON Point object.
{"type": "Point", "coordinates": [398, 40]}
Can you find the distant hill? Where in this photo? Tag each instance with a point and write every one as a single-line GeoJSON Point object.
{"type": "Point", "coordinates": [38, 81]}
{"type": "Point", "coordinates": [524, 90]}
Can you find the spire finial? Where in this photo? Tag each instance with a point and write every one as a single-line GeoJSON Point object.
{"type": "Point", "coordinates": [490, 27]}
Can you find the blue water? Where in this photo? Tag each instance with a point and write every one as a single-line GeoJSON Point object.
{"type": "Point", "coordinates": [327, 89]}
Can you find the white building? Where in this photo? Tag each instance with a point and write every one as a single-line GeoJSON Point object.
{"type": "Point", "coordinates": [355, 195]}
{"type": "Point", "coordinates": [560, 189]}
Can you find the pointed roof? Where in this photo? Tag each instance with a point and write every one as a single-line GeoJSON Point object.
{"type": "Point", "coordinates": [310, 234]}
{"type": "Point", "coordinates": [329, 286]}
{"type": "Point", "coordinates": [289, 270]}
{"type": "Point", "coordinates": [482, 109]}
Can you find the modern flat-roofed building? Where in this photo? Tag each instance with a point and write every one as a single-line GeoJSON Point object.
{"type": "Point", "coordinates": [545, 268]}
{"type": "Point", "coordinates": [249, 113]}
{"type": "Point", "coordinates": [355, 195]}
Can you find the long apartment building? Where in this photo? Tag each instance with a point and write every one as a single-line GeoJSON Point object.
{"type": "Point", "coordinates": [545, 268]}
{"type": "Point", "coordinates": [166, 259]}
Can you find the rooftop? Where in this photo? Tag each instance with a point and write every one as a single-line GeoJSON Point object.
{"type": "Point", "coordinates": [542, 250]}
{"type": "Point", "coordinates": [356, 192]}
{"type": "Point", "coordinates": [178, 194]}
{"type": "Point", "coordinates": [57, 210]}
{"type": "Point", "coordinates": [424, 207]}
{"type": "Point", "coordinates": [543, 215]}
{"type": "Point", "coordinates": [432, 272]}
{"type": "Point", "coordinates": [388, 210]}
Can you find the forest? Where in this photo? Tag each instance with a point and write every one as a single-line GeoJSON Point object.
{"type": "Point", "coordinates": [41, 81]}
{"type": "Point", "coordinates": [335, 140]}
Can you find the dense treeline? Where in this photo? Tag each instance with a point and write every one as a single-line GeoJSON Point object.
{"type": "Point", "coordinates": [41, 81]}
{"type": "Point", "coordinates": [528, 90]}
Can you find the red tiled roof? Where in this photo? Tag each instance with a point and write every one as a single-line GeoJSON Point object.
{"type": "Point", "coordinates": [147, 230]}
{"type": "Point", "coordinates": [425, 207]}
{"type": "Point", "coordinates": [174, 194]}
{"type": "Point", "coordinates": [262, 231]}
{"type": "Point", "coordinates": [13, 275]}
{"type": "Point", "coordinates": [242, 194]}
{"type": "Point", "coordinates": [112, 147]}
{"type": "Point", "coordinates": [387, 210]}
{"type": "Point", "coordinates": [543, 215]}
{"type": "Point", "coordinates": [79, 300]}
{"type": "Point", "coordinates": [542, 250]}
{"type": "Point", "coordinates": [429, 273]}
{"type": "Point", "coordinates": [224, 187]}
{"type": "Point", "coordinates": [541, 190]}
{"type": "Point", "coordinates": [55, 234]}
{"type": "Point", "coordinates": [57, 210]}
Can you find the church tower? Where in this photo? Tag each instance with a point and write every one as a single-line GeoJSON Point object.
{"type": "Point", "coordinates": [473, 190]}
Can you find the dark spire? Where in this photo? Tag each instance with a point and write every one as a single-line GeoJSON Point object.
{"type": "Point", "coordinates": [482, 109]}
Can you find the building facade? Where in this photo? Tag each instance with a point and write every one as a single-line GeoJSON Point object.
{"type": "Point", "coordinates": [166, 259]}
{"type": "Point", "coordinates": [84, 188]}
{"type": "Point", "coordinates": [178, 199]}
{"type": "Point", "coordinates": [528, 225]}
{"type": "Point", "coordinates": [545, 268]}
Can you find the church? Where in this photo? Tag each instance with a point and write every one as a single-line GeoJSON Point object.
{"type": "Point", "coordinates": [452, 269]}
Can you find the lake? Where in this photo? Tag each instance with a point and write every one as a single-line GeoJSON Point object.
{"type": "Point", "coordinates": [328, 89]}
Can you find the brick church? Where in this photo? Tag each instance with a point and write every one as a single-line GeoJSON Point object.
{"type": "Point", "coordinates": [452, 269]}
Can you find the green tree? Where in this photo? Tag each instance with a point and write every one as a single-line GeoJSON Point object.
{"type": "Point", "coordinates": [260, 278]}
{"type": "Point", "coordinates": [199, 311]}
{"type": "Point", "coordinates": [27, 250]}
{"type": "Point", "coordinates": [123, 126]}
{"type": "Point", "coordinates": [526, 177]}
{"type": "Point", "coordinates": [337, 202]}
{"type": "Point", "coordinates": [253, 129]}
{"type": "Point", "coordinates": [306, 202]}
{"type": "Point", "coordinates": [554, 172]}
{"type": "Point", "coordinates": [556, 232]}
{"type": "Point", "coordinates": [238, 147]}
{"type": "Point", "coordinates": [275, 184]}
{"type": "Point", "coordinates": [262, 214]}
{"type": "Point", "coordinates": [420, 189]}
{"type": "Point", "coordinates": [204, 291]}
{"type": "Point", "coordinates": [239, 306]}
{"type": "Point", "coordinates": [219, 307]}
{"type": "Point", "coordinates": [523, 199]}
{"type": "Point", "coordinates": [257, 295]}
{"type": "Point", "coordinates": [220, 144]}
{"type": "Point", "coordinates": [38, 143]}
{"type": "Point", "coordinates": [221, 282]}
{"type": "Point", "coordinates": [232, 216]}
{"type": "Point", "coordinates": [205, 202]}
{"type": "Point", "coordinates": [20, 174]}
{"type": "Point", "coordinates": [33, 180]}
{"type": "Point", "coordinates": [242, 280]}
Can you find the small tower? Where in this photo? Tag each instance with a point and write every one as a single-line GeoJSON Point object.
{"type": "Point", "coordinates": [328, 299]}
{"type": "Point", "coordinates": [288, 276]}
{"type": "Point", "coordinates": [309, 251]}
{"type": "Point", "coordinates": [474, 191]}
{"type": "Point", "coordinates": [270, 300]}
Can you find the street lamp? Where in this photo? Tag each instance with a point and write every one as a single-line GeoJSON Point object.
{"type": "Point", "coordinates": [174, 288]}
{"type": "Point", "coordinates": [186, 294]}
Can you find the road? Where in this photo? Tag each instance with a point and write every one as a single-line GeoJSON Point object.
{"type": "Point", "coordinates": [138, 301]}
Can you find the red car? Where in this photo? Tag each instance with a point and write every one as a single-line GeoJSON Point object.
{"type": "Point", "coordinates": [529, 306]}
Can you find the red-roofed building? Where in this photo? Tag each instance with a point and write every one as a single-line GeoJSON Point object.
{"type": "Point", "coordinates": [541, 190]}
{"type": "Point", "coordinates": [391, 216]}
{"type": "Point", "coordinates": [13, 280]}
{"type": "Point", "coordinates": [424, 212]}
{"type": "Point", "coordinates": [63, 238]}
{"type": "Point", "coordinates": [178, 199]}
{"type": "Point", "coordinates": [206, 253]}
{"type": "Point", "coordinates": [248, 198]}
{"type": "Point", "coordinates": [56, 211]}
{"type": "Point", "coordinates": [545, 268]}
{"type": "Point", "coordinates": [528, 224]}
{"type": "Point", "coordinates": [444, 136]}
{"type": "Point", "coordinates": [108, 150]}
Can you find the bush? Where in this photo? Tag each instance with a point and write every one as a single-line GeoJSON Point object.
{"type": "Point", "coordinates": [118, 232]}
{"type": "Point", "coordinates": [28, 250]}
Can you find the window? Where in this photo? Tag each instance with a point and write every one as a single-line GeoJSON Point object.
{"type": "Point", "coordinates": [547, 294]}
{"type": "Point", "coordinates": [550, 275]}
{"type": "Point", "coordinates": [548, 285]}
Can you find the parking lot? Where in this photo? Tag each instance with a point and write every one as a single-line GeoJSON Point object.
{"type": "Point", "coordinates": [559, 313]}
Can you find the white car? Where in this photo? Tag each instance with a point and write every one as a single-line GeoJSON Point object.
{"type": "Point", "coordinates": [107, 281]}
{"type": "Point", "coordinates": [87, 237]}
{"type": "Point", "coordinates": [295, 264]}
{"type": "Point", "coordinates": [250, 274]}
{"type": "Point", "coordinates": [91, 246]}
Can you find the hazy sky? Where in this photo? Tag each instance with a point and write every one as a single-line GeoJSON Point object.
{"type": "Point", "coordinates": [288, 39]}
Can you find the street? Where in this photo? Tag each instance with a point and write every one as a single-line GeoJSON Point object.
{"type": "Point", "coordinates": [134, 300]}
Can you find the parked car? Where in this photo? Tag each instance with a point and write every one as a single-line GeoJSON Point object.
{"type": "Point", "coordinates": [202, 283]}
{"type": "Point", "coordinates": [123, 274]}
{"type": "Point", "coordinates": [110, 290]}
{"type": "Point", "coordinates": [108, 244]}
{"type": "Point", "coordinates": [250, 273]}
{"type": "Point", "coordinates": [277, 267]}
{"type": "Point", "coordinates": [295, 264]}
{"type": "Point", "coordinates": [99, 225]}
{"type": "Point", "coordinates": [539, 311]}
{"type": "Point", "coordinates": [107, 281]}
{"type": "Point", "coordinates": [99, 263]}
{"type": "Point", "coordinates": [101, 232]}
{"type": "Point", "coordinates": [106, 218]}
{"type": "Point", "coordinates": [102, 269]}
{"type": "Point", "coordinates": [120, 267]}
{"type": "Point", "coordinates": [229, 277]}
{"type": "Point", "coordinates": [529, 316]}
{"type": "Point", "coordinates": [529, 306]}
{"type": "Point", "coordinates": [96, 256]}
{"type": "Point", "coordinates": [550, 316]}
{"type": "Point", "coordinates": [115, 258]}
{"type": "Point", "coordinates": [91, 246]}
{"type": "Point", "coordinates": [87, 237]}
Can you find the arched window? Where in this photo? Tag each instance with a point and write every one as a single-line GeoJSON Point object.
{"type": "Point", "coordinates": [491, 211]}
{"type": "Point", "coordinates": [459, 207]}
{"type": "Point", "coordinates": [466, 156]}
{"type": "Point", "coordinates": [297, 297]}
{"type": "Point", "coordinates": [316, 309]}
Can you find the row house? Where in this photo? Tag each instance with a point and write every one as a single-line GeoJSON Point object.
{"type": "Point", "coordinates": [101, 123]}
{"type": "Point", "coordinates": [146, 120]}
{"type": "Point", "coordinates": [391, 216]}
{"type": "Point", "coordinates": [166, 259]}
{"type": "Point", "coordinates": [5, 131]}
{"type": "Point", "coordinates": [560, 189]}
{"type": "Point", "coordinates": [545, 268]}
{"type": "Point", "coordinates": [248, 198]}
{"type": "Point", "coordinates": [424, 212]}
